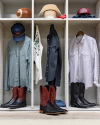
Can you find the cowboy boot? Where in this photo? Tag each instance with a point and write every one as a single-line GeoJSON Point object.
{"type": "Point", "coordinates": [45, 106]}
{"type": "Point", "coordinates": [14, 98]}
{"type": "Point", "coordinates": [21, 101]}
{"type": "Point", "coordinates": [53, 98]}
{"type": "Point", "coordinates": [81, 95]}
{"type": "Point", "coordinates": [75, 100]}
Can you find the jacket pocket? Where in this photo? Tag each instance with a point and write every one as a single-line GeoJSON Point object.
{"type": "Point", "coordinates": [85, 56]}
{"type": "Point", "coordinates": [53, 55]}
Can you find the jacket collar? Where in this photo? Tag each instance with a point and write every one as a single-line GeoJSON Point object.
{"type": "Point", "coordinates": [83, 39]}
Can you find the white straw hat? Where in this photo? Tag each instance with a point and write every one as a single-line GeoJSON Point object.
{"type": "Point", "coordinates": [49, 7]}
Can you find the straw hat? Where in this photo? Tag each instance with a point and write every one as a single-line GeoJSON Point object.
{"type": "Point", "coordinates": [49, 7]}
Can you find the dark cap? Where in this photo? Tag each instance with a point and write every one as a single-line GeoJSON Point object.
{"type": "Point", "coordinates": [18, 32]}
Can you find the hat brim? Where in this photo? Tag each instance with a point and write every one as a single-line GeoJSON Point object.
{"type": "Point", "coordinates": [19, 38]}
{"type": "Point", "coordinates": [49, 7]}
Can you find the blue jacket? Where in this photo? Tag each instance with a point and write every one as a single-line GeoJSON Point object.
{"type": "Point", "coordinates": [54, 58]}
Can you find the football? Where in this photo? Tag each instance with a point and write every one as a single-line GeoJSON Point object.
{"type": "Point", "coordinates": [24, 13]}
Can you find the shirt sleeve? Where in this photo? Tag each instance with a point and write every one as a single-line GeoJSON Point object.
{"type": "Point", "coordinates": [96, 64]}
{"type": "Point", "coordinates": [29, 57]}
{"type": "Point", "coordinates": [7, 84]}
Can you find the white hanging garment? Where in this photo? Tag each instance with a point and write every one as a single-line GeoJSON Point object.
{"type": "Point", "coordinates": [37, 55]}
{"type": "Point", "coordinates": [84, 61]}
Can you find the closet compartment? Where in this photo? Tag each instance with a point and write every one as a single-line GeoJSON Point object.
{"type": "Point", "coordinates": [8, 8]}
{"type": "Point", "coordinates": [91, 29]}
{"type": "Point", "coordinates": [7, 35]}
{"type": "Point", "coordinates": [38, 4]}
{"type": "Point", "coordinates": [75, 5]}
{"type": "Point", "coordinates": [44, 28]}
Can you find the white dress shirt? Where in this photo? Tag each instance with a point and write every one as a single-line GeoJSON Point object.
{"type": "Point", "coordinates": [84, 60]}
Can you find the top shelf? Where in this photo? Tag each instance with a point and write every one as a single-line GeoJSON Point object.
{"type": "Point", "coordinates": [82, 1]}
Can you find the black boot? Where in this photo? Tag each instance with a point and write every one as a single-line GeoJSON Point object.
{"type": "Point", "coordinates": [53, 98]}
{"type": "Point", "coordinates": [14, 98]}
{"type": "Point", "coordinates": [75, 100]}
{"type": "Point", "coordinates": [45, 106]}
{"type": "Point", "coordinates": [81, 95]}
{"type": "Point", "coordinates": [21, 101]}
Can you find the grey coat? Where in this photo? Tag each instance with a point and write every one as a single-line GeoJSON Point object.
{"type": "Point", "coordinates": [18, 64]}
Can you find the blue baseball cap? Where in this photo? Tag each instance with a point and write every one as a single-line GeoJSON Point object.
{"type": "Point", "coordinates": [18, 32]}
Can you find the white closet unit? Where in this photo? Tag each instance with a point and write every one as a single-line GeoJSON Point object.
{"type": "Point", "coordinates": [44, 28]}
{"type": "Point", "coordinates": [74, 5]}
{"type": "Point", "coordinates": [89, 28]}
{"type": "Point", "coordinates": [38, 4]}
{"type": "Point", "coordinates": [8, 8]}
{"type": "Point", "coordinates": [7, 95]}
{"type": "Point", "coordinates": [66, 29]}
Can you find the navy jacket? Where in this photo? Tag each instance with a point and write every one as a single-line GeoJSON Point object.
{"type": "Point", "coordinates": [54, 58]}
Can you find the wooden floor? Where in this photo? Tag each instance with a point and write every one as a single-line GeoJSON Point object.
{"type": "Point", "coordinates": [35, 118]}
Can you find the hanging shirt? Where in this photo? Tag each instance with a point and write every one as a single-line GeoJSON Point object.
{"type": "Point", "coordinates": [18, 64]}
{"type": "Point", "coordinates": [54, 58]}
{"type": "Point", "coordinates": [37, 55]}
{"type": "Point", "coordinates": [84, 60]}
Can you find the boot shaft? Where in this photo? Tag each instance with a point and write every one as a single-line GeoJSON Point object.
{"type": "Point", "coordinates": [74, 91]}
{"type": "Point", "coordinates": [52, 94]}
{"type": "Point", "coordinates": [81, 90]}
{"type": "Point", "coordinates": [22, 93]}
{"type": "Point", "coordinates": [44, 95]}
{"type": "Point", "coordinates": [15, 92]}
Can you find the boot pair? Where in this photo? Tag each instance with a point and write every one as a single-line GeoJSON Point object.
{"type": "Point", "coordinates": [18, 100]}
{"type": "Point", "coordinates": [77, 96]}
{"type": "Point", "coordinates": [47, 101]}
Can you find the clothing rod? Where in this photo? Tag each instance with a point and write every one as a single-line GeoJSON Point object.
{"type": "Point", "coordinates": [49, 25]}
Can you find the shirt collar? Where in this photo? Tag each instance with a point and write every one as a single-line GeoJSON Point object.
{"type": "Point", "coordinates": [83, 38]}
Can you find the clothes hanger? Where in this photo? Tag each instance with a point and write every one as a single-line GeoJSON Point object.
{"type": "Point", "coordinates": [80, 32]}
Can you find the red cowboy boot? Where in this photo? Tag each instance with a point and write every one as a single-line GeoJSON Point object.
{"type": "Point", "coordinates": [21, 101]}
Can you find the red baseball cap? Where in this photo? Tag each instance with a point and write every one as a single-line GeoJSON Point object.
{"type": "Point", "coordinates": [83, 11]}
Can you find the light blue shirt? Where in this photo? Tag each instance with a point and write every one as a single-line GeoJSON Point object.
{"type": "Point", "coordinates": [18, 64]}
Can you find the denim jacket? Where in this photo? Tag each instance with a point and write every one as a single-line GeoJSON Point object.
{"type": "Point", "coordinates": [18, 64]}
{"type": "Point", "coordinates": [54, 58]}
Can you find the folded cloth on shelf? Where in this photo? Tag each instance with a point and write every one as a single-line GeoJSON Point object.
{"type": "Point", "coordinates": [60, 103]}
{"type": "Point", "coordinates": [83, 16]}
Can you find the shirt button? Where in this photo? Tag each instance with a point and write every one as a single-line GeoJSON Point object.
{"type": "Point", "coordinates": [47, 65]}
{"type": "Point", "coordinates": [48, 39]}
{"type": "Point", "coordinates": [48, 52]}
{"type": "Point", "coordinates": [47, 58]}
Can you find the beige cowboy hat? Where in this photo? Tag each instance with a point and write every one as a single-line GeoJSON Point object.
{"type": "Point", "coordinates": [49, 7]}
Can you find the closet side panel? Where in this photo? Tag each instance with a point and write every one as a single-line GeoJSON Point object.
{"type": "Point", "coordinates": [98, 43]}
{"type": "Point", "coordinates": [1, 64]}
{"type": "Point", "coordinates": [1, 9]}
{"type": "Point", "coordinates": [98, 9]}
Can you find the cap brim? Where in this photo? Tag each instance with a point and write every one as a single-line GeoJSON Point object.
{"type": "Point", "coordinates": [19, 38]}
{"type": "Point", "coordinates": [49, 7]}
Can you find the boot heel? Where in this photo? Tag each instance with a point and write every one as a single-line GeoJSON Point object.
{"type": "Point", "coordinates": [41, 111]}
{"type": "Point", "coordinates": [73, 105]}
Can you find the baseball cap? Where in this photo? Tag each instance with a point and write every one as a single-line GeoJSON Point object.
{"type": "Point", "coordinates": [83, 11]}
{"type": "Point", "coordinates": [18, 32]}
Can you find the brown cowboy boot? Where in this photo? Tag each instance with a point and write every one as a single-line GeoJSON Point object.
{"type": "Point", "coordinates": [45, 106]}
